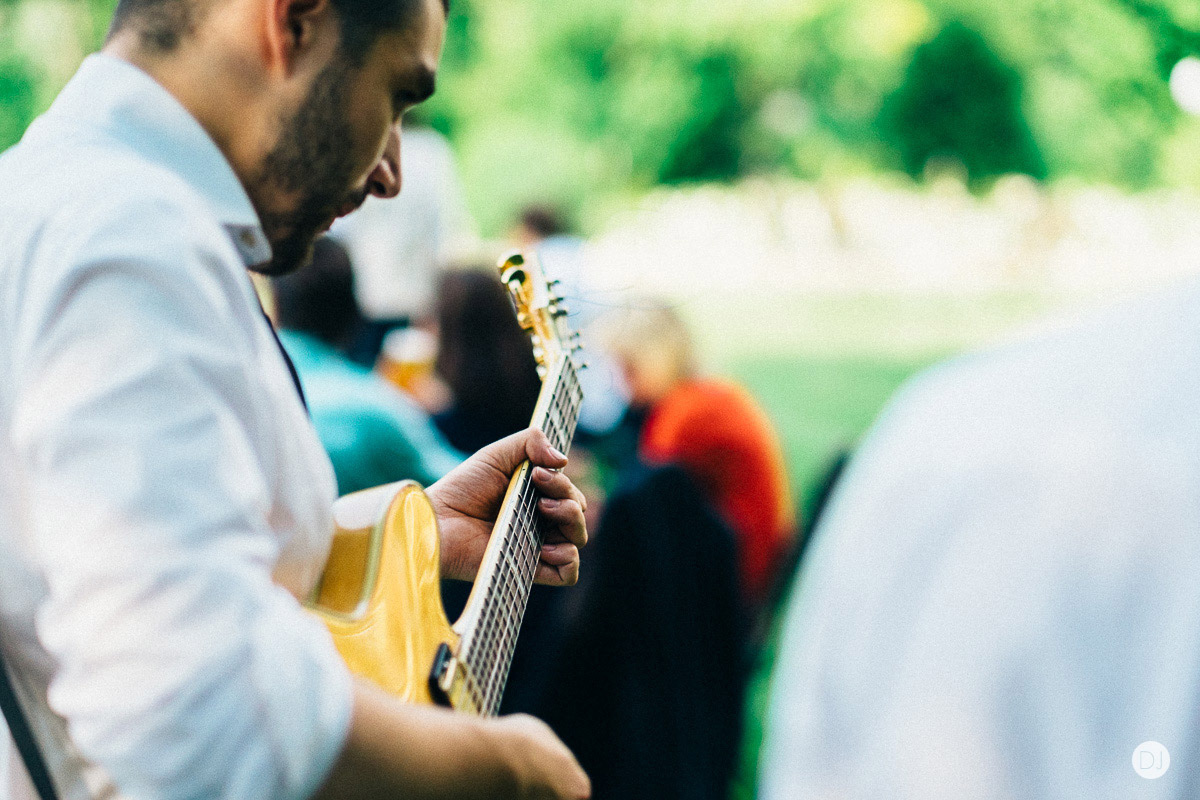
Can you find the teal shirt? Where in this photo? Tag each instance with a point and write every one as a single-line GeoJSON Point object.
{"type": "Point", "coordinates": [373, 433]}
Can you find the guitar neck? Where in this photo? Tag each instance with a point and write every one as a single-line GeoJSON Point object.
{"type": "Point", "coordinates": [492, 619]}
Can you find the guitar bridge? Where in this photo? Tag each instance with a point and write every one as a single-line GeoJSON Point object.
{"type": "Point", "coordinates": [452, 685]}
{"type": "Point", "coordinates": [441, 666]}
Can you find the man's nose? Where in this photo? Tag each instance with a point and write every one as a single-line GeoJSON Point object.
{"type": "Point", "coordinates": [385, 179]}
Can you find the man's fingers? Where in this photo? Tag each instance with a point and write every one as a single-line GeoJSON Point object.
{"type": "Point", "coordinates": [557, 486]}
{"type": "Point", "coordinates": [559, 565]}
{"type": "Point", "coordinates": [541, 453]}
{"type": "Point", "coordinates": [560, 554]}
{"type": "Point", "coordinates": [567, 517]}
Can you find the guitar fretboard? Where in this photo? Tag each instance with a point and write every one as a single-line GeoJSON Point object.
{"type": "Point", "coordinates": [507, 576]}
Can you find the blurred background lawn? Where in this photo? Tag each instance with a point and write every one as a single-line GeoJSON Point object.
{"type": "Point", "coordinates": [824, 366]}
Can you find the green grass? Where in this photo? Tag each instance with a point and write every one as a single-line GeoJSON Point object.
{"type": "Point", "coordinates": [737, 325]}
{"type": "Point", "coordinates": [824, 366]}
{"type": "Point", "coordinates": [821, 406]}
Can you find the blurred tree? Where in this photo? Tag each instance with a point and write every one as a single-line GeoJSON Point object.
{"type": "Point", "coordinates": [706, 145]}
{"type": "Point", "coordinates": [18, 100]}
{"type": "Point", "coordinates": [584, 104]}
{"type": "Point", "coordinates": [960, 102]}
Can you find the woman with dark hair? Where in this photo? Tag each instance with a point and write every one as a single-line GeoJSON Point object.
{"type": "Point", "coordinates": [485, 359]}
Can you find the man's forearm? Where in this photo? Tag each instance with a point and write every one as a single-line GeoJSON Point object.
{"type": "Point", "coordinates": [416, 752]}
{"type": "Point", "coordinates": [421, 753]}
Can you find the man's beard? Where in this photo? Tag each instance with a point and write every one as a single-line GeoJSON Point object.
{"type": "Point", "coordinates": [312, 161]}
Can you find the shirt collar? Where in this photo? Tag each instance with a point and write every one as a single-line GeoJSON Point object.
{"type": "Point", "coordinates": [122, 101]}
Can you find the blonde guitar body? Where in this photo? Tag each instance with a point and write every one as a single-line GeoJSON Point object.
{"type": "Point", "coordinates": [380, 594]}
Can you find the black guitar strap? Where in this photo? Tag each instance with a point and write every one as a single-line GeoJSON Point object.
{"type": "Point", "coordinates": [22, 734]}
{"type": "Point", "coordinates": [287, 359]}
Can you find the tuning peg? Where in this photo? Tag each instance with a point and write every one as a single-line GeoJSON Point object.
{"type": "Point", "coordinates": [560, 310]}
{"type": "Point", "coordinates": [539, 354]}
{"type": "Point", "coordinates": [541, 372]}
{"type": "Point", "coordinates": [510, 260]}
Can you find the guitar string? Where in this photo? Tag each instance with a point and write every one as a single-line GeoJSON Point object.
{"type": "Point", "coordinates": [508, 591]}
{"type": "Point", "coordinates": [515, 598]}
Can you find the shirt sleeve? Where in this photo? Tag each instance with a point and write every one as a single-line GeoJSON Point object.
{"type": "Point", "coordinates": [183, 671]}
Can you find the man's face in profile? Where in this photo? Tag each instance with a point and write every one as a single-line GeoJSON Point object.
{"type": "Point", "coordinates": [343, 143]}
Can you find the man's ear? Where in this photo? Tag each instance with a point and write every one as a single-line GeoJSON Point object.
{"type": "Point", "coordinates": [294, 28]}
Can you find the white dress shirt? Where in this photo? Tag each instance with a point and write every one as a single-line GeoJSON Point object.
{"type": "Point", "coordinates": [163, 498]}
{"type": "Point", "coordinates": [1004, 598]}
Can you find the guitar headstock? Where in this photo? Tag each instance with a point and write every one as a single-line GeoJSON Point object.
{"type": "Point", "coordinates": [540, 311]}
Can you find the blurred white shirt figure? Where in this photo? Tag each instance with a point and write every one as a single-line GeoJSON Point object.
{"type": "Point", "coordinates": [1002, 600]}
{"type": "Point", "coordinates": [564, 258]}
{"type": "Point", "coordinates": [605, 395]}
{"type": "Point", "coordinates": [398, 245]}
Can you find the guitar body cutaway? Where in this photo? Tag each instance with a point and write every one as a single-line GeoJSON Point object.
{"type": "Point", "coordinates": [380, 595]}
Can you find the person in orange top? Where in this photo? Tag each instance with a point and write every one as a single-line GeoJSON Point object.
{"type": "Point", "coordinates": [715, 430]}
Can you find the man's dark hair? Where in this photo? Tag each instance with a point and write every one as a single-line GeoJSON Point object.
{"type": "Point", "coordinates": [544, 221]}
{"type": "Point", "coordinates": [162, 24]}
{"type": "Point", "coordinates": [318, 299]}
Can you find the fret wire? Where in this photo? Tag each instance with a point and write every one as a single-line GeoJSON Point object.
{"type": "Point", "coordinates": [517, 567]}
{"type": "Point", "coordinates": [493, 639]}
{"type": "Point", "coordinates": [492, 676]}
{"type": "Point", "coordinates": [526, 516]}
{"type": "Point", "coordinates": [517, 540]}
{"type": "Point", "coordinates": [503, 649]}
{"type": "Point", "coordinates": [484, 641]}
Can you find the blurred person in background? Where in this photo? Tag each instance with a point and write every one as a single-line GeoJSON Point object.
{"type": "Point", "coordinates": [484, 358]}
{"type": "Point", "coordinates": [1001, 600]}
{"type": "Point", "coordinates": [538, 224]}
{"type": "Point", "coordinates": [657, 627]}
{"type": "Point", "coordinates": [373, 433]}
{"type": "Point", "coordinates": [656, 630]}
{"type": "Point", "coordinates": [714, 429]}
{"type": "Point", "coordinates": [398, 244]}
{"type": "Point", "coordinates": [544, 230]}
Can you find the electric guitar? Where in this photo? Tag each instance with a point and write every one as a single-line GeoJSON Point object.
{"type": "Point", "coordinates": [380, 592]}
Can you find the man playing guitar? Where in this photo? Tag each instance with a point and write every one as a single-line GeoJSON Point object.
{"type": "Point", "coordinates": [164, 501]}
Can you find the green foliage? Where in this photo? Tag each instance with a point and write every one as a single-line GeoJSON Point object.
{"type": "Point", "coordinates": [640, 94]}
{"type": "Point", "coordinates": [582, 104]}
{"type": "Point", "coordinates": [18, 98]}
{"type": "Point", "coordinates": [959, 101]}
